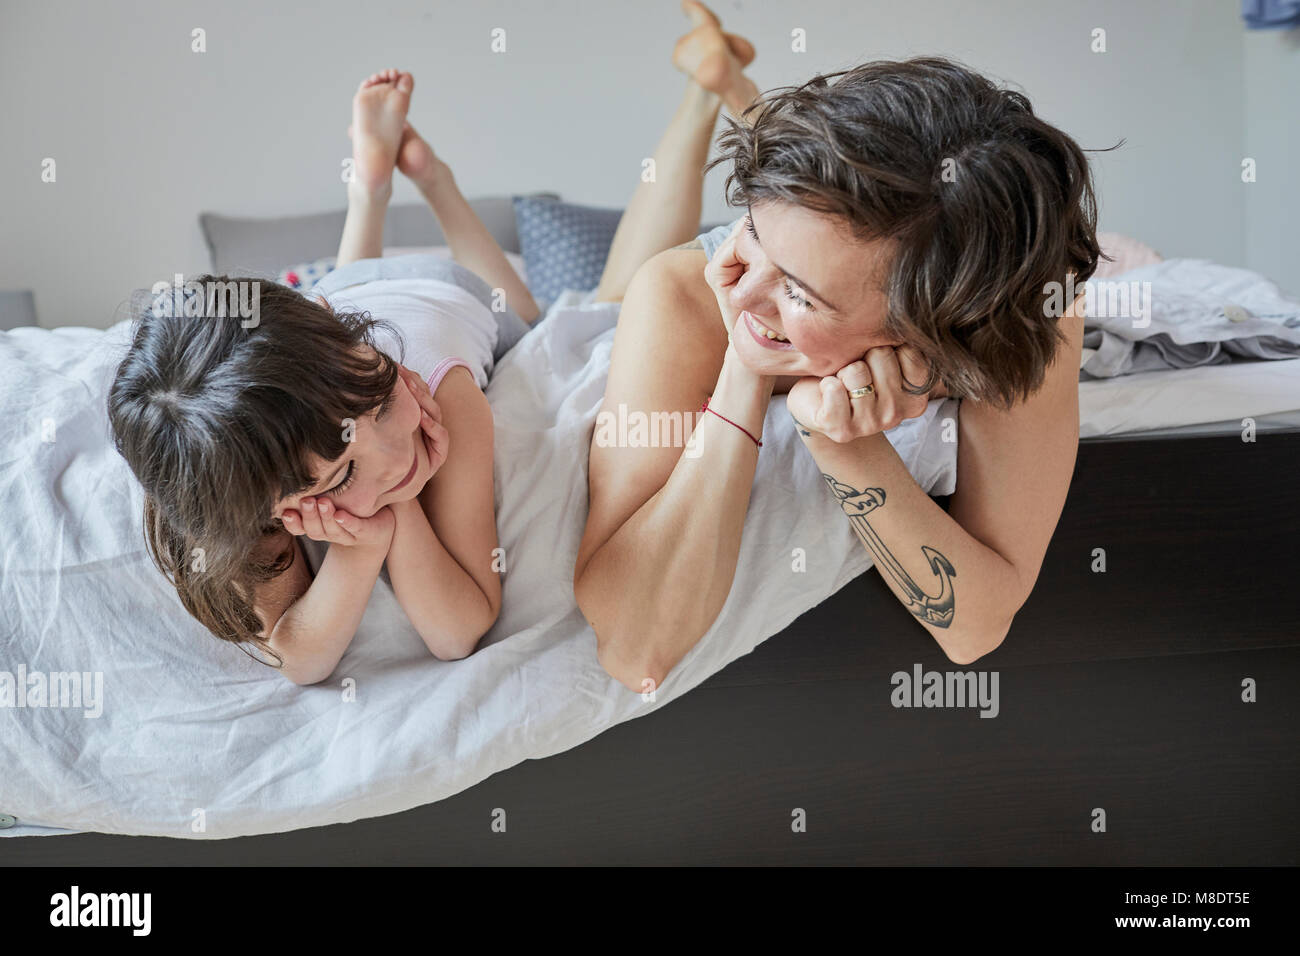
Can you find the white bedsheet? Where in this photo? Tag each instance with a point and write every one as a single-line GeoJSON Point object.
{"type": "Point", "coordinates": [196, 740]}
{"type": "Point", "coordinates": [1146, 401]}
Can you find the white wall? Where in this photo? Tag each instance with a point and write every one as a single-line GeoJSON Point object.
{"type": "Point", "coordinates": [1272, 139]}
{"type": "Point", "coordinates": [147, 134]}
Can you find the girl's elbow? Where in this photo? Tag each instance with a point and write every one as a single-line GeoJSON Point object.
{"type": "Point", "coordinates": [305, 675]}
{"type": "Point", "coordinates": [300, 664]}
{"type": "Point", "coordinates": [460, 645]}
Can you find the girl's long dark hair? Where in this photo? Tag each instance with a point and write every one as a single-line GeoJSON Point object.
{"type": "Point", "coordinates": [218, 417]}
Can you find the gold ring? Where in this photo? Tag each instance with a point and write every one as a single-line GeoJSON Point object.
{"type": "Point", "coordinates": [862, 392]}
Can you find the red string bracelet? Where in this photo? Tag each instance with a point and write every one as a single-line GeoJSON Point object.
{"type": "Point", "coordinates": [705, 408]}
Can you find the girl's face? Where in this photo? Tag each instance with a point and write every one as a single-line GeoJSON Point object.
{"type": "Point", "coordinates": [809, 279]}
{"type": "Point", "coordinates": [386, 461]}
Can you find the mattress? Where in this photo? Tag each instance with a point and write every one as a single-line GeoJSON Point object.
{"type": "Point", "coordinates": [1208, 400]}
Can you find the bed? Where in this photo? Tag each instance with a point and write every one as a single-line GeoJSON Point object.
{"type": "Point", "coordinates": [1196, 538]}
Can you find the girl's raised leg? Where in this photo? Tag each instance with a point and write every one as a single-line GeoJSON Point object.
{"type": "Point", "coordinates": [472, 244]}
{"type": "Point", "coordinates": [665, 212]}
{"type": "Point", "coordinates": [378, 120]}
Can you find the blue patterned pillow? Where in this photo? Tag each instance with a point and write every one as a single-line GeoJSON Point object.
{"type": "Point", "coordinates": [564, 246]}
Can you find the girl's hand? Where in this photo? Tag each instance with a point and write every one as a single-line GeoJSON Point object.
{"type": "Point", "coordinates": [436, 438]}
{"type": "Point", "coordinates": [825, 405]}
{"type": "Point", "coordinates": [318, 519]}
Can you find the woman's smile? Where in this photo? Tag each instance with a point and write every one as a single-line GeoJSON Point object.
{"type": "Point", "coordinates": [764, 336]}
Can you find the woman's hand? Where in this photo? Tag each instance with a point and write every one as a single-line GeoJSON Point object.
{"type": "Point", "coordinates": [828, 406]}
{"type": "Point", "coordinates": [722, 273]}
{"type": "Point", "coordinates": [436, 438]}
{"type": "Point", "coordinates": [318, 519]}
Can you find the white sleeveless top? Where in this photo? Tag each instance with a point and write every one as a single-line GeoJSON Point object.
{"type": "Point", "coordinates": [441, 325]}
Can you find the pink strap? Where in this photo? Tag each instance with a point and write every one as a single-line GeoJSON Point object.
{"type": "Point", "coordinates": [442, 368]}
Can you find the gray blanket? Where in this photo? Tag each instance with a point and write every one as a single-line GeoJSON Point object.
{"type": "Point", "coordinates": [1181, 313]}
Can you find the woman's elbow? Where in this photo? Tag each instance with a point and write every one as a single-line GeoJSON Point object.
{"type": "Point", "coordinates": [634, 657]}
{"type": "Point", "coordinates": [636, 669]}
{"type": "Point", "coordinates": [969, 651]}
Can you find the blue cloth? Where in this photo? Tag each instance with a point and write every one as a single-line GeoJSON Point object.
{"type": "Point", "coordinates": [564, 245]}
{"type": "Point", "coordinates": [717, 236]}
{"type": "Point", "coordinates": [1270, 14]}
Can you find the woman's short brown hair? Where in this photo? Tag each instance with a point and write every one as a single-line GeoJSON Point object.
{"type": "Point", "coordinates": [988, 204]}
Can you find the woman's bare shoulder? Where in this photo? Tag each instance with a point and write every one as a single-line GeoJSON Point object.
{"type": "Point", "coordinates": [672, 283]}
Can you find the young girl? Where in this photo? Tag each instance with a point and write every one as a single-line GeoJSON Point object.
{"type": "Point", "coordinates": [248, 436]}
{"type": "Point", "coordinates": [303, 423]}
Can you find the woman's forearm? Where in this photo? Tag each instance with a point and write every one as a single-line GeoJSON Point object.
{"type": "Point", "coordinates": [472, 245]}
{"type": "Point", "coordinates": [441, 599]}
{"type": "Point", "coordinates": [657, 585]}
{"type": "Point", "coordinates": [312, 634]}
{"type": "Point", "coordinates": [958, 588]}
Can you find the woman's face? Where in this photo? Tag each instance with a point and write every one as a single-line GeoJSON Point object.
{"type": "Point", "coordinates": [385, 462]}
{"type": "Point", "coordinates": [809, 279]}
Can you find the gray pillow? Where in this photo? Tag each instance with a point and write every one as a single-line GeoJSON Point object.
{"type": "Point", "coordinates": [262, 247]}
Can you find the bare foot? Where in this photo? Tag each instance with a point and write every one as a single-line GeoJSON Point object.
{"type": "Point", "coordinates": [714, 59]}
{"type": "Point", "coordinates": [378, 121]}
{"type": "Point", "coordinates": [417, 161]}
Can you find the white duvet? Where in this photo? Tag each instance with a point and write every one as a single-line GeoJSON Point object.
{"type": "Point", "coordinates": [187, 737]}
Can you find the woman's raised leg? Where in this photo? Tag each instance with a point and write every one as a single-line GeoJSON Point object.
{"type": "Point", "coordinates": [665, 211]}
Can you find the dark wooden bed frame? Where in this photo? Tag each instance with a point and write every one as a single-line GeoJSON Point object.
{"type": "Point", "coordinates": [1119, 690]}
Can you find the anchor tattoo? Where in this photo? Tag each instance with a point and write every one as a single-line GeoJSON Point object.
{"type": "Point", "coordinates": [935, 609]}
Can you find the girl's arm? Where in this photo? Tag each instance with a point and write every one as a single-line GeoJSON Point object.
{"type": "Point", "coordinates": [310, 623]}
{"type": "Point", "coordinates": [472, 245]}
{"type": "Point", "coordinates": [443, 560]}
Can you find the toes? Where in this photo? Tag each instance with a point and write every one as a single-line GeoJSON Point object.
{"type": "Point", "coordinates": [404, 81]}
{"type": "Point", "coordinates": [699, 14]}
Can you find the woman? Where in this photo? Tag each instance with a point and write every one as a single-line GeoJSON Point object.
{"type": "Point", "coordinates": [908, 227]}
